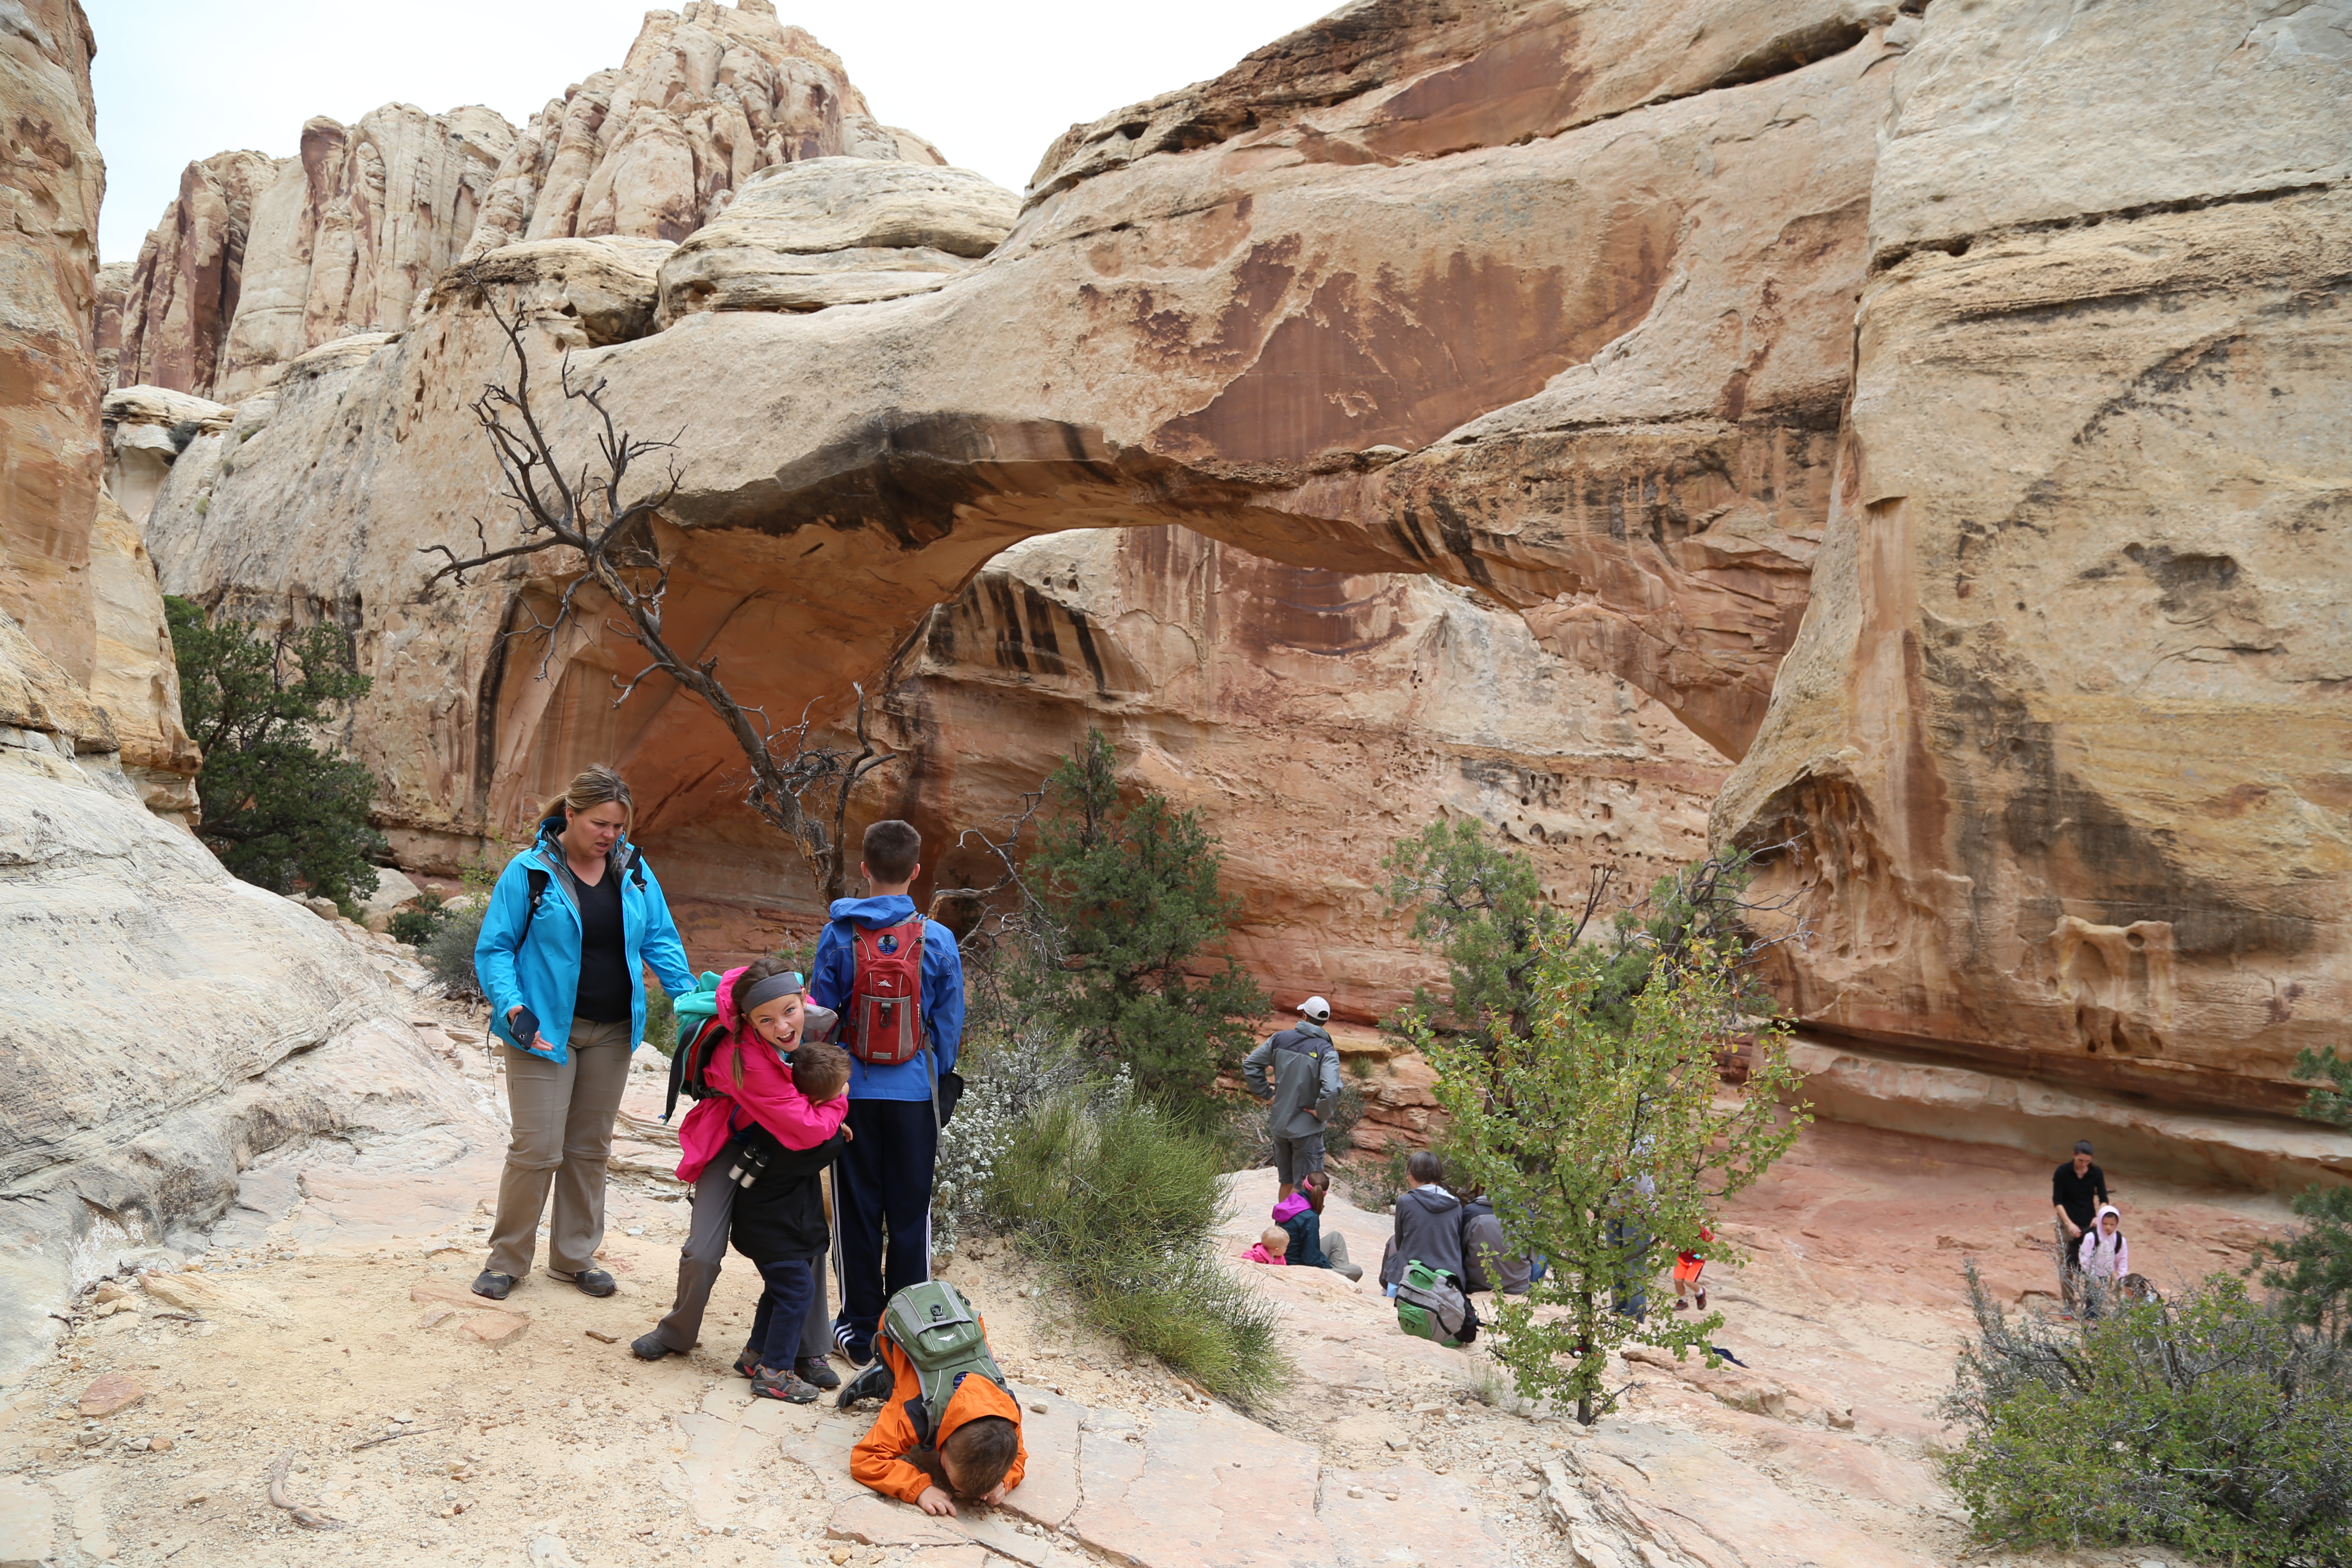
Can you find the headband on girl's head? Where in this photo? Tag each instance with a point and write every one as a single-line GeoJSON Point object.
{"type": "Point", "coordinates": [788, 983]}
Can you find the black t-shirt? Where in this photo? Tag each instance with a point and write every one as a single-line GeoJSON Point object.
{"type": "Point", "coordinates": [2081, 1195]}
{"type": "Point", "coordinates": [606, 995]}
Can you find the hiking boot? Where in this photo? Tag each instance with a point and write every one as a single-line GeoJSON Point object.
{"type": "Point", "coordinates": [595, 1282]}
{"type": "Point", "coordinates": [874, 1382]}
{"type": "Point", "coordinates": [784, 1385]}
{"type": "Point", "coordinates": [649, 1347]}
{"type": "Point", "coordinates": [815, 1369]}
{"type": "Point", "coordinates": [491, 1283]}
{"type": "Point", "coordinates": [748, 1365]}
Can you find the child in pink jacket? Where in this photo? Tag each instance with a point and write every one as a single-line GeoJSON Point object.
{"type": "Point", "coordinates": [762, 1015]}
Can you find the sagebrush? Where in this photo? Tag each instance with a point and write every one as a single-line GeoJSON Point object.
{"type": "Point", "coordinates": [1120, 1203]}
{"type": "Point", "coordinates": [2211, 1422]}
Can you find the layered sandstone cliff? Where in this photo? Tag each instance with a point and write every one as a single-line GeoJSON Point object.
{"type": "Point", "coordinates": [2066, 741]}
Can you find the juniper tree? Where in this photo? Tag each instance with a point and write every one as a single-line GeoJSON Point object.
{"type": "Point", "coordinates": [280, 811]}
{"type": "Point", "coordinates": [1131, 886]}
{"type": "Point", "coordinates": [2312, 1269]}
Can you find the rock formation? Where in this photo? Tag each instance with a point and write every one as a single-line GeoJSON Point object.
{"type": "Point", "coordinates": [706, 99]}
{"type": "Point", "coordinates": [255, 1025]}
{"type": "Point", "coordinates": [1558, 306]}
{"type": "Point", "coordinates": [2065, 739]}
{"type": "Point", "coordinates": [172, 318]}
{"type": "Point", "coordinates": [259, 261]}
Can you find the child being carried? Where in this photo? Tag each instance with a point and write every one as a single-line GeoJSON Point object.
{"type": "Point", "coordinates": [779, 1222]}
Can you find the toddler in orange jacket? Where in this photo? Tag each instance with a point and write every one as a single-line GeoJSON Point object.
{"type": "Point", "coordinates": [977, 1453]}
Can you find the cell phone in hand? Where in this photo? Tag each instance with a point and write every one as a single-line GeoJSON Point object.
{"type": "Point", "coordinates": [525, 1027]}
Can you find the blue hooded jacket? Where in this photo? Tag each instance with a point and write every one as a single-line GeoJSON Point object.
{"type": "Point", "coordinates": [535, 958]}
{"type": "Point", "coordinates": [835, 970]}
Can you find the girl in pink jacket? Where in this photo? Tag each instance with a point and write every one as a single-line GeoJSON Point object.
{"type": "Point", "coordinates": [762, 1015]}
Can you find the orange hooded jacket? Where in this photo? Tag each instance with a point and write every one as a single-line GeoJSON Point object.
{"type": "Point", "coordinates": [876, 1462]}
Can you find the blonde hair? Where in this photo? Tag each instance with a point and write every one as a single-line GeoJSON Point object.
{"type": "Point", "coordinates": [593, 787]}
{"type": "Point", "coordinates": [1275, 1240]}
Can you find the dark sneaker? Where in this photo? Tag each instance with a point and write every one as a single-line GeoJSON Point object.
{"type": "Point", "coordinates": [784, 1385]}
{"type": "Point", "coordinates": [874, 1382]}
{"type": "Point", "coordinates": [815, 1369]}
{"type": "Point", "coordinates": [748, 1365]}
{"type": "Point", "coordinates": [1702, 1301]}
{"type": "Point", "coordinates": [491, 1283]}
{"type": "Point", "coordinates": [595, 1282]}
{"type": "Point", "coordinates": [649, 1347]}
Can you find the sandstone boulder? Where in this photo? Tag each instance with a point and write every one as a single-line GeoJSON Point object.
{"type": "Point", "coordinates": [146, 429]}
{"type": "Point", "coordinates": [582, 292]}
{"type": "Point", "coordinates": [837, 231]}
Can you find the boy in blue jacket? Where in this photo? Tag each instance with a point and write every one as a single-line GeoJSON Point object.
{"type": "Point", "coordinates": [887, 1167]}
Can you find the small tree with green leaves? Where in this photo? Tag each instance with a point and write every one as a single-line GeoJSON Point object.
{"type": "Point", "coordinates": [1605, 1149]}
{"type": "Point", "coordinates": [1130, 885]}
{"type": "Point", "coordinates": [278, 810]}
{"type": "Point", "coordinates": [2312, 1269]}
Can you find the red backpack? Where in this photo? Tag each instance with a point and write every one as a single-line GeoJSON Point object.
{"type": "Point", "coordinates": [886, 999]}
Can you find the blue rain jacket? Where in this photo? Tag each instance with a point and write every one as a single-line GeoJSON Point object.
{"type": "Point", "coordinates": [535, 958]}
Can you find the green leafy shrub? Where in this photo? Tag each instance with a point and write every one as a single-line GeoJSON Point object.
{"type": "Point", "coordinates": [1119, 1202]}
{"type": "Point", "coordinates": [2312, 1269]}
{"type": "Point", "coordinates": [280, 812]}
{"type": "Point", "coordinates": [415, 927]}
{"type": "Point", "coordinates": [2210, 1423]}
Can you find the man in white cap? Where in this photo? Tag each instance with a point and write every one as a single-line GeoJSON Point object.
{"type": "Point", "coordinates": [1305, 1087]}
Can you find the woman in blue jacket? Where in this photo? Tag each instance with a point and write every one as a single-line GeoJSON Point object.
{"type": "Point", "coordinates": [572, 924]}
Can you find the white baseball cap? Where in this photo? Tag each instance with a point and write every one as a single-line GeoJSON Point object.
{"type": "Point", "coordinates": [1317, 1009]}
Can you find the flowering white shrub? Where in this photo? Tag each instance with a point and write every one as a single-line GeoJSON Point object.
{"type": "Point", "coordinates": [970, 1147]}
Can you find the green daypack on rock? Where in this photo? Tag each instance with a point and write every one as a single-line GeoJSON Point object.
{"type": "Point", "coordinates": [939, 1333]}
{"type": "Point", "coordinates": [1429, 1306]}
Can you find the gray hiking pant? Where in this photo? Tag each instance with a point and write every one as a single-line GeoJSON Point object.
{"type": "Point", "coordinates": [699, 1263]}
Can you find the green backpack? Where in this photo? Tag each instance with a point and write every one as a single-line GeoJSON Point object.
{"type": "Point", "coordinates": [935, 1326]}
{"type": "Point", "coordinates": [1429, 1306]}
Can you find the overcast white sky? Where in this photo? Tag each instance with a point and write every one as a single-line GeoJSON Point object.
{"type": "Point", "coordinates": [991, 84]}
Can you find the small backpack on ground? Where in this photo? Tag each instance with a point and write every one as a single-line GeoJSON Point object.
{"type": "Point", "coordinates": [885, 997]}
{"type": "Point", "coordinates": [1429, 1306]}
{"type": "Point", "coordinates": [942, 1336]}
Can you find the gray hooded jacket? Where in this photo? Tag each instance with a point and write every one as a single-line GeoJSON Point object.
{"type": "Point", "coordinates": [1306, 1086]}
{"type": "Point", "coordinates": [1429, 1230]}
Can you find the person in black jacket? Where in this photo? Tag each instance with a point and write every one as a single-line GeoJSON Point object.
{"type": "Point", "coordinates": [779, 1223]}
{"type": "Point", "coordinates": [2077, 1191]}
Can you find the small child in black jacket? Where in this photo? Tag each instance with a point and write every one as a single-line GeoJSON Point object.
{"type": "Point", "coordinates": [779, 1223]}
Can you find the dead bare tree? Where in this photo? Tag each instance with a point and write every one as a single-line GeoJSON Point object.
{"type": "Point", "coordinates": [797, 784]}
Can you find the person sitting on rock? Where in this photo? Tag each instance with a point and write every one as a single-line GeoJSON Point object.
{"type": "Point", "coordinates": [949, 1427]}
{"type": "Point", "coordinates": [1301, 1215]}
{"type": "Point", "coordinates": [765, 1004]}
{"type": "Point", "coordinates": [1428, 1232]}
{"type": "Point", "coordinates": [1305, 1087]}
{"type": "Point", "coordinates": [1487, 1262]}
{"type": "Point", "coordinates": [1271, 1248]}
{"type": "Point", "coordinates": [779, 1222]}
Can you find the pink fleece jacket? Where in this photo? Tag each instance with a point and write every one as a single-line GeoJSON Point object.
{"type": "Point", "coordinates": [766, 1095]}
{"type": "Point", "coordinates": [1259, 1254]}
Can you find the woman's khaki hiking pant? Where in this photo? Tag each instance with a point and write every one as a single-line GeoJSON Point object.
{"type": "Point", "coordinates": [562, 1137]}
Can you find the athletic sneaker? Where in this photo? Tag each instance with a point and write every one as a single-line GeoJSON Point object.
{"type": "Point", "coordinates": [784, 1385]}
{"type": "Point", "coordinates": [815, 1369]}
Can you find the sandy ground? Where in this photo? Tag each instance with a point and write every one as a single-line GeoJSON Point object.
{"type": "Point", "coordinates": [436, 1430]}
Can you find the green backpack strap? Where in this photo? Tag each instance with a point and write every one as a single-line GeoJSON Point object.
{"type": "Point", "coordinates": [940, 1335]}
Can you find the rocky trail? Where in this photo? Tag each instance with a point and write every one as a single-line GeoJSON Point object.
{"type": "Point", "coordinates": [418, 1422]}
